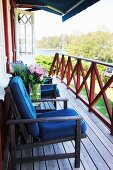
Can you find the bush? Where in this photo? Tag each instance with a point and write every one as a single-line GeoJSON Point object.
{"type": "Point", "coordinates": [45, 62]}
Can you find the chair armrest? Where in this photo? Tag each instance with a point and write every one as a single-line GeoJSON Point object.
{"type": "Point", "coordinates": [64, 100]}
{"type": "Point", "coordinates": [50, 100]}
{"type": "Point", "coordinates": [47, 119]}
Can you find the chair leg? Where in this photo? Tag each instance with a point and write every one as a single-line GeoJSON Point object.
{"type": "Point", "coordinates": [77, 158]}
{"type": "Point", "coordinates": [77, 144]}
{"type": "Point", "coordinates": [13, 147]}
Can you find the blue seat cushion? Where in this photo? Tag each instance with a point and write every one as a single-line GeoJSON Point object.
{"type": "Point", "coordinates": [48, 90]}
{"type": "Point", "coordinates": [24, 104]}
{"type": "Point", "coordinates": [55, 130]}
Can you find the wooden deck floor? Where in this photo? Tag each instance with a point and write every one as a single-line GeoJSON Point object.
{"type": "Point", "coordinates": [96, 149]}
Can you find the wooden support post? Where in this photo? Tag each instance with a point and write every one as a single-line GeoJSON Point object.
{"type": "Point", "coordinates": [57, 64]}
{"type": "Point", "coordinates": [78, 77]}
{"type": "Point", "coordinates": [6, 32]}
{"type": "Point", "coordinates": [68, 75]}
{"type": "Point", "coordinates": [92, 86]}
{"type": "Point", "coordinates": [63, 67]}
{"type": "Point", "coordinates": [51, 72]}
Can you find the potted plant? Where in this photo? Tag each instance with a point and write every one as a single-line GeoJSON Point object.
{"type": "Point", "coordinates": [32, 76]}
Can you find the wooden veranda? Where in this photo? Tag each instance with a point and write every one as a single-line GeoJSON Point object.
{"type": "Point", "coordinates": [97, 149]}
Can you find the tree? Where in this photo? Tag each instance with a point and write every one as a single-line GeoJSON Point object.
{"type": "Point", "coordinates": [95, 45]}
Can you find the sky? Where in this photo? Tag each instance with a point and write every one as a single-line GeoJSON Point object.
{"type": "Point", "coordinates": [97, 17]}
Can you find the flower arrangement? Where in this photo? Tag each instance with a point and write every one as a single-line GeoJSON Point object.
{"type": "Point", "coordinates": [37, 75]}
{"type": "Point", "coordinates": [30, 75]}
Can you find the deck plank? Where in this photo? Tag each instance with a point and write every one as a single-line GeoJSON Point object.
{"type": "Point", "coordinates": [51, 164]}
{"type": "Point", "coordinates": [64, 163]}
{"type": "Point", "coordinates": [40, 165]}
{"type": "Point", "coordinates": [27, 165]}
{"type": "Point", "coordinates": [95, 156]}
{"type": "Point", "coordinates": [68, 146]}
{"type": "Point", "coordinates": [86, 159]}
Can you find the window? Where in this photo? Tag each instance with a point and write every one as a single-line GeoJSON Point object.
{"type": "Point", "coordinates": [24, 32]}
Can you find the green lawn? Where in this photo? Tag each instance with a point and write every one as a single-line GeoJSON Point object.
{"type": "Point", "coordinates": [100, 105]}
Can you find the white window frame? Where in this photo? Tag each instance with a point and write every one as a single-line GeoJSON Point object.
{"type": "Point", "coordinates": [26, 58]}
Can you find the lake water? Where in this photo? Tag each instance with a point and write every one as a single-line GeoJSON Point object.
{"type": "Point", "coordinates": [44, 52]}
{"type": "Point", "coordinates": [49, 52]}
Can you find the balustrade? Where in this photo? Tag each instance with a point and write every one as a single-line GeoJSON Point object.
{"type": "Point", "coordinates": [71, 71]}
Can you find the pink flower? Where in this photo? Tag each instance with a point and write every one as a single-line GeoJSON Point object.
{"type": "Point", "coordinates": [41, 77]}
{"type": "Point", "coordinates": [32, 69]}
{"type": "Point", "coordinates": [39, 71]}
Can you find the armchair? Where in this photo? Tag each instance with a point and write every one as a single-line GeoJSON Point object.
{"type": "Point", "coordinates": [45, 128]}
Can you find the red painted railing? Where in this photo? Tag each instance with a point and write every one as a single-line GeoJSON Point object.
{"type": "Point", "coordinates": [70, 70]}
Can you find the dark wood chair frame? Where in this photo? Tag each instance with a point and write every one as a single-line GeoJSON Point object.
{"type": "Point", "coordinates": [54, 94]}
{"type": "Point", "coordinates": [17, 121]}
{"type": "Point", "coordinates": [50, 80]}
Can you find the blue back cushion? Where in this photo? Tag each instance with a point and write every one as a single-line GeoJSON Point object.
{"type": "Point", "coordinates": [24, 104]}
{"type": "Point", "coordinates": [48, 90]}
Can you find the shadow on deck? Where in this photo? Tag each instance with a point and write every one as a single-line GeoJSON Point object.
{"type": "Point", "coordinates": [96, 149]}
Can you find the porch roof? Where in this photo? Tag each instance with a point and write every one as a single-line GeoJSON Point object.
{"type": "Point", "coordinates": [65, 8]}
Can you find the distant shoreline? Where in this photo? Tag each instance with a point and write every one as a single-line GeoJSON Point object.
{"type": "Point", "coordinates": [48, 52]}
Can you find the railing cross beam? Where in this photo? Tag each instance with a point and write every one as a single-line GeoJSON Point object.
{"type": "Point", "coordinates": [84, 80]}
{"type": "Point", "coordinates": [72, 74]}
{"type": "Point", "coordinates": [102, 92]}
